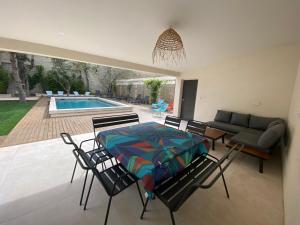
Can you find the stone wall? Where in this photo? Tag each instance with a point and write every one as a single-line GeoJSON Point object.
{"type": "Point", "coordinates": [138, 87]}
{"type": "Point", "coordinates": [100, 77]}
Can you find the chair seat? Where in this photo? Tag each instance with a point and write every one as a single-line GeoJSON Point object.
{"type": "Point", "coordinates": [174, 191]}
{"type": "Point", "coordinates": [110, 176]}
{"type": "Point", "coordinates": [98, 156]}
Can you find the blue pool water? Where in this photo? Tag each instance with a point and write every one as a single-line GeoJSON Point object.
{"type": "Point", "coordinates": [82, 103]}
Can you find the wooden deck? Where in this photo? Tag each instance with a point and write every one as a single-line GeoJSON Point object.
{"type": "Point", "coordinates": [36, 125]}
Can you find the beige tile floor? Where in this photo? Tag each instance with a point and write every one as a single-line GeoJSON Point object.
{"type": "Point", "coordinates": [35, 189]}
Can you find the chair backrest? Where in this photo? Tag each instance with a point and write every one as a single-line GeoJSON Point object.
{"type": "Point", "coordinates": [87, 93]}
{"type": "Point", "coordinates": [67, 139]}
{"type": "Point", "coordinates": [60, 93]}
{"type": "Point", "coordinates": [196, 127]}
{"type": "Point", "coordinates": [79, 154]}
{"type": "Point", "coordinates": [49, 93]}
{"type": "Point", "coordinates": [200, 173]}
{"type": "Point", "coordinates": [76, 93]}
{"type": "Point", "coordinates": [107, 121]}
{"type": "Point", "coordinates": [172, 121]}
{"type": "Point", "coordinates": [163, 107]}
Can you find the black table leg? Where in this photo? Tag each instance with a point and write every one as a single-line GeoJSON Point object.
{"type": "Point", "coordinates": [223, 137]}
{"type": "Point", "coordinates": [213, 144]}
{"type": "Point", "coordinates": [261, 165]}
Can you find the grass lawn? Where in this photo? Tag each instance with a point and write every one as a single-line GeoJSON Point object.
{"type": "Point", "coordinates": [11, 112]}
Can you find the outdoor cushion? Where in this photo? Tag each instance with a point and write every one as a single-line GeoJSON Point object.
{"type": "Point", "coordinates": [271, 136]}
{"type": "Point", "coordinates": [248, 139]}
{"type": "Point", "coordinates": [240, 119]}
{"type": "Point", "coordinates": [226, 126]}
{"type": "Point", "coordinates": [223, 116]}
{"type": "Point", "coordinates": [259, 122]}
{"type": "Point", "coordinates": [254, 131]}
{"type": "Point", "coordinates": [275, 122]}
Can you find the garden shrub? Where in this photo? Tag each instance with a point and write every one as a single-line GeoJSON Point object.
{"type": "Point", "coordinates": [154, 85]}
{"type": "Point", "coordinates": [37, 76]}
{"type": "Point", "coordinates": [77, 84]}
{"type": "Point", "coordinates": [4, 80]}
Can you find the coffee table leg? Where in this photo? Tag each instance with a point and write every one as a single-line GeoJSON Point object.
{"type": "Point", "coordinates": [223, 139]}
{"type": "Point", "coordinates": [213, 144]}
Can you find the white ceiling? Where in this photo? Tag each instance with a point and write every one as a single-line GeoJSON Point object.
{"type": "Point", "coordinates": [128, 29]}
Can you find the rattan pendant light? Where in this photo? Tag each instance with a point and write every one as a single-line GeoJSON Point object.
{"type": "Point", "coordinates": [169, 48]}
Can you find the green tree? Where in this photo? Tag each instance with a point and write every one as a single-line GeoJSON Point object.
{"type": "Point", "coordinates": [84, 69]}
{"type": "Point", "coordinates": [129, 88]}
{"type": "Point", "coordinates": [154, 86]}
{"type": "Point", "coordinates": [4, 80]}
{"type": "Point", "coordinates": [16, 76]}
{"type": "Point", "coordinates": [61, 69]}
{"type": "Point", "coordinates": [25, 65]}
{"type": "Point", "coordinates": [77, 84]}
{"type": "Point", "coordinates": [49, 82]}
{"type": "Point", "coordinates": [37, 76]}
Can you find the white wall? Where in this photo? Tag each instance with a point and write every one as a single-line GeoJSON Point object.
{"type": "Point", "coordinates": [291, 161]}
{"type": "Point", "coordinates": [260, 83]}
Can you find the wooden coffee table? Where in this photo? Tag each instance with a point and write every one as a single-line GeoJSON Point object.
{"type": "Point", "coordinates": [213, 135]}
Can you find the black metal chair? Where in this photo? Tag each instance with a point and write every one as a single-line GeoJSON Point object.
{"type": "Point", "coordinates": [172, 121]}
{"type": "Point", "coordinates": [196, 127]}
{"type": "Point", "coordinates": [200, 173]}
{"type": "Point", "coordinates": [95, 157]}
{"type": "Point", "coordinates": [114, 180]}
{"type": "Point", "coordinates": [138, 99]}
{"type": "Point", "coordinates": [106, 121]}
{"type": "Point", "coordinates": [146, 100]}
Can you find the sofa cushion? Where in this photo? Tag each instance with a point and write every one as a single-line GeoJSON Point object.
{"type": "Point", "coordinates": [275, 122]}
{"type": "Point", "coordinates": [240, 119]}
{"type": "Point", "coordinates": [271, 136]}
{"type": "Point", "coordinates": [259, 122]}
{"type": "Point", "coordinates": [254, 131]}
{"type": "Point", "coordinates": [223, 116]}
{"type": "Point", "coordinates": [247, 139]}
{"type": "Point", "coordinates": [226, 126]}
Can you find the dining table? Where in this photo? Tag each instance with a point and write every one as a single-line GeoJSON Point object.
{"type": "Point", "coordinates": [152, 151]}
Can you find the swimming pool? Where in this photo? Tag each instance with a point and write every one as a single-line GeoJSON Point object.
{"type": "Point", "coordinates": [73, 106]}
{"type": "Point", "coordinates": [82, 103]}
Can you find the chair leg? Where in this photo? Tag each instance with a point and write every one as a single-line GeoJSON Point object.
{"type": "Point", "coordinates": [88, 194]}
{"type": "Point", "coordinates": [172, 218]}
{"type": "Point", "coordinates": [141, 196]}
{"type": "Point", "coordinates": [83, 188]}
{"type": "Point", "coordinates": [261, 165]}
{"type": "Point", "coordinates": [224, 182]}
{"type": "Point", "coordinates": [107, 212]}
{"type": "Point", "coordinates": [144, 208]}
{"type": "Point", "coordinates": [73, 172]}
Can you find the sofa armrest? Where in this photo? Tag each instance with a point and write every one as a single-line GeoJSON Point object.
{"type": "Point", "coordinates": [271, 136]}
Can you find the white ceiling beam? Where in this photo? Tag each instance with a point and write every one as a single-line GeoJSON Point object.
{"type": "Point", "coordinates": [13, 45]}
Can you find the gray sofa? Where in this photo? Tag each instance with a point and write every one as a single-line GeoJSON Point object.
{"type": "Point", "coordinates": [261, 133]}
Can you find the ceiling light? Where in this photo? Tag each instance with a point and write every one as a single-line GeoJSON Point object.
{"type": "Point", "coordinates": [169, 48]}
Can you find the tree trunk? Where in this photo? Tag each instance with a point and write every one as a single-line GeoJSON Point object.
{"type": "Point", "coordinates": [86, 73]}
{"type": "Point", "coordinates": [16, 77]}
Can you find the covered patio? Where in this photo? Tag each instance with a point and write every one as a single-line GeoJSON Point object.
{"type": "Point", "coordinates": [226, 75]}
{"type": "Point", "coordinates": [35, 188]}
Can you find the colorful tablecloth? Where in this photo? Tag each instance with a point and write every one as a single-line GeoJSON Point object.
{"type": "Point", "coordinates": [152, 151]}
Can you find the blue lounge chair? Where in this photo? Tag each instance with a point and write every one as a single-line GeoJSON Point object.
{"type": "Point", "coordinates": [60, 93]}
{"type": "Point", "coordinates": [49, 93]}
{"type": "Point", "coordinates": [159, 103]}
{"type": "Point", "coordinates": [161, 109]}
{"type": "Point", "coordinates": [87, 93]}
{"type": "Point", "coordinates": [76, 93]}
